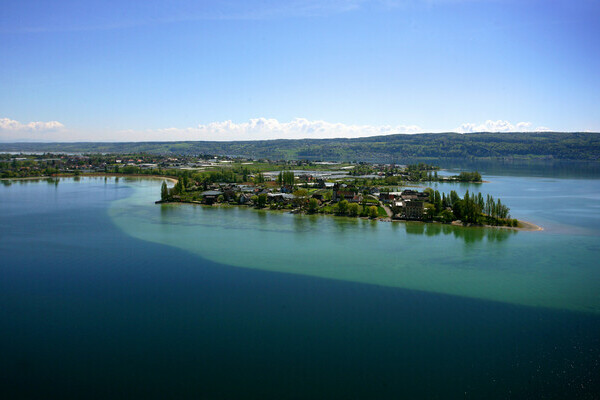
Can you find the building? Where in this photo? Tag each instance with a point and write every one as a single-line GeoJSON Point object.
{"type": "Point", "coordinates": [343, 192]}
{"type": "Point", "coordinates": [413, 209]}
{"type": "Point", "coordinates": [210, 196]}
{"type": "Point", "coordinates": [281, 198]}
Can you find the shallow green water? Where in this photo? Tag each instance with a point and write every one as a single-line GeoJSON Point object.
{"type": "Point", "coordinates": [556, 268]}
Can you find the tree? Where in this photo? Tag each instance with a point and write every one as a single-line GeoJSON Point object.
{"type": "Point", "coordinates": [353, 209]}
{"type": "Point", "coordinates": [430, 192]}
{"type": "Point", "coordinates": [301, 193]}
{"type": "Point", "coordinates": [447, 216]}
{"type": "Point", "coordinates": [300, 197]}
{"type": "Point", "coordinates": [288, 178]}
{"type": "Point", "coordinates": [437, 202]}
{"type": "Point", "coordinates": [313, 205]}
{"type": "Point", "coordinates": [342, 207]}
{"type": "Point", "coordinates": [262, 200]}
{"type": "Point", "coordinates": [480, 201]}
{"type": "Point", "coordinates": [178, 188]}
{"type": "Point", "coordinates": [468, 209]}
{"type": "Point", "coordinates": [373, 213]}
{"type": "Point", "coordinates": [469, 177]}
{"type": "Point", "coordinates": [164, 191]}
{"type": "Point", "coordinates": [429, 212]}
{"type": "Point", "coordinates": [453, 198]}
{"type": "Point", "coordinates": [259, 178]}
{"type": "Point", "coordinates": [364, 202]}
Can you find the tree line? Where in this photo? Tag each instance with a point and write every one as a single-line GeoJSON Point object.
{"type": "Point", "coordinates": [555, 145]}
{"type": "Point", "coordinates": [472, 208]}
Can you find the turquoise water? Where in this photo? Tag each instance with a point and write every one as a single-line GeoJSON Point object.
{"type": "Point", "coordinates": [555, 268]}
{"type": "Point", "coordinates": [105, 294]}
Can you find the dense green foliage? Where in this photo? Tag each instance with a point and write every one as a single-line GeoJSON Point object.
{"type": "Point", "coordinates": [393, 148]}
{"type": "Point", "coordinates": [164, 192]}
{"type": "Point", "coordinates": [469, 177]}
{"type": "Point", "coordinates": [286, 178]}
{"type": "Point", "coordinates": [471, 209]}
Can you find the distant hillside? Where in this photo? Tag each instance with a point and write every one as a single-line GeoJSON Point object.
{"type": "Point", "coordinates": [550, 145]}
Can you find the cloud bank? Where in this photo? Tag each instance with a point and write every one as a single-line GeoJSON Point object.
{"type": "Point", "coordinates": [15, 130]}
{"type": "Point", "coordinates": [269, 128]}
{"type": "Point", "coordinates": [499, 126]}
{"type": "Point", "coordinates": [301, 128]}
{"type": "Point", "coordinates": [254, 129]}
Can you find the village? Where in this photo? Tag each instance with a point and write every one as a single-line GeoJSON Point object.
{"type": "Point", "coordinates": [322, 197]}
{"type": "Point", "coordinates": [344, 195]}
{"type": "Point", "coordinates": [365, 190]}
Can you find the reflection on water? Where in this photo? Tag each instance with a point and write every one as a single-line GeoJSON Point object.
{"type": "Point", "coordinates": [53, 181]}
{"type": "Point", "coordinates": [305, 223]}
{"type": "Point", "coordinates": [49, 180]}
{"type": "Point", "coordinates": [165, 211]}
{"type": "Point", "coordinates": [261, 215]}
{"type": "Point", "coordinates": [499, 235]}
{"type": "Point", "coordinates": [467, 234]}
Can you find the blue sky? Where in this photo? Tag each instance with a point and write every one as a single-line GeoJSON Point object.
{"type": "Point", "coordinates": [219, 70]}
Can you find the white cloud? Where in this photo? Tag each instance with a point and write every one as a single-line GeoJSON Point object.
{"type": "Point", "coordinates": [499, 126]}
{"type": "Point", "coordinates": [12, 125]}
{"type": "Point", "coordinates": [269, 128]}
{"type": "Point", "coordinates": [15, 130]}
{"type": "Point", "coordinates": [253, 129]}
{"type": "Point", "coordinates": [301, 128]}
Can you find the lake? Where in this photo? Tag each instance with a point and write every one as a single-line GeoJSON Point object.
{"type": "Point", "coordinates": [105, 294]}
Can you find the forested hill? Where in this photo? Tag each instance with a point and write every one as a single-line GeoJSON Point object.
{"type": "Point", "coordinates": [551, 145]}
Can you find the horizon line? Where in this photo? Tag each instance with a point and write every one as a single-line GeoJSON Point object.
{"type": "Point", "coordinates": [25, 141]}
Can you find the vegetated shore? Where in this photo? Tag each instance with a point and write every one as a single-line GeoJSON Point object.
{"type": "Point", "coordinates": [523, 225]}
{"type": "Point", "coordinates": [169, 178]}
{"type": "Point", "coordinates": [91, 175]}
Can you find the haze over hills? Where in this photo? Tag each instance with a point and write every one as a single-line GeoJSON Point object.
{"type": "Point", "coordinates": [527, 145]}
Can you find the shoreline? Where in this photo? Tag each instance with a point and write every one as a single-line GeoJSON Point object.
{"type": "Point", "coordinates": [530, 227]}
{"type": "Point", "coordinates": [92, 175]}
{"type": "Point", "coordinates": [524, 226]}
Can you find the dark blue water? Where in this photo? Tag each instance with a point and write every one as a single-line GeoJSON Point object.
{"type": "Point", "coordinates": [88, 312]}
